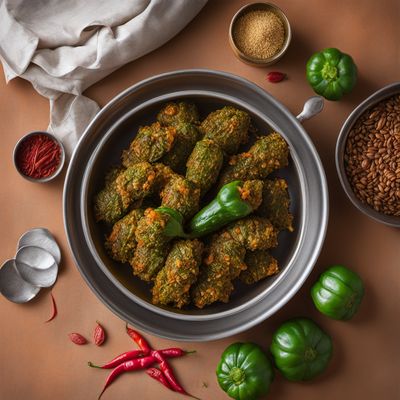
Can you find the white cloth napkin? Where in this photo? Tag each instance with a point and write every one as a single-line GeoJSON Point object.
{"type": "Point", "coordinates": [64, 46]}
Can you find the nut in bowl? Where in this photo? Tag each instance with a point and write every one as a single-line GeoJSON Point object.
{"type": "Point", "coordinates": [260, 34]}
{"type": "Point", "coordinates": [368, 156]}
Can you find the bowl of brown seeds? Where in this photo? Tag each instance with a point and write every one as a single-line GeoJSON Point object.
{"type": "Point", "coordinates": [259, 34]}
{"type": "Point", "coordinates": [368, 156]}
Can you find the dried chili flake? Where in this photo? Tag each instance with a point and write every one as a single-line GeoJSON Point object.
{"type": "Point", "coordinates": [77, 338]}
{"type": "Point", "coordinates": [99, 334]}
{"type": "Point", "coordinates": [38, 156]}
{"type": "Point", "coordinates": [54, 308]}
{"type": "Point", "coordinates": [275, 76]}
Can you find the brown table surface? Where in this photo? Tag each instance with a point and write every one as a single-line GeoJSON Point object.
{"type": "Point", "coordinates": [39, 362]}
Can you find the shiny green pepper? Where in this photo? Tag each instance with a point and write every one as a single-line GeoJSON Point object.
{"type": "Point", "coordinates": [244, 371]}
{"type": "Point", "coordinates": [338, 292]}
{"type": "Point", "coordinates": [174, 226]}
{"type": "Point", "coordinates": [331, 73]}
{"type": "Point", "coordinates": [301, 349]}
{"type": "Point", "coordinates": [228, 206]}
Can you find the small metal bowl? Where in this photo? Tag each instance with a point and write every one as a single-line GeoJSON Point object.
{"type": "Point", "coordinates": [47, 178]}
{"type": "Point", "coordinates": [371, 101]}
{"type": "Point", "coordinates": [260, 62]}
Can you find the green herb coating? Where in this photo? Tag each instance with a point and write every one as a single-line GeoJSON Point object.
{"type": "Point", "coordinates": [121, 242]}
{"type": "Point", "coordinates": [267, 154]}
{"type": "Point", "coordinates": [176, 113]}
{"type": "Point", "coordinates": [275, 204]}
{"type": "Point", "coordinates": [227, 127]}
{"type": "Point", "coordinates": [150, 144]}
{"type": "Point", "coordinates": [152, 245]}
{"type": "Point", "coordinates": [181, 195]}
{"type": "Point", "coordinates": [260, 265]}
{"type": "Point", "coordinates": [204, 164]}
{"type": "Point", "coordinates": [186, 137]}
{"type": "Point", "coordinates": [181, 269]}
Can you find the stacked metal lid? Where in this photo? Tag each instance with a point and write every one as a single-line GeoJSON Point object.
{"type": "Point", "coordinates": [35, 266]}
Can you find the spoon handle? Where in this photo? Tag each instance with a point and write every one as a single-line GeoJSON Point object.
{"type": "Point", "coordinates": [312, 107]}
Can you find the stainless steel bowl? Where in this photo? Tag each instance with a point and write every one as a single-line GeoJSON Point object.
{"type": "Point", "coordinates": [101, 145]}
{"type": "Point", "coordinates": [371, 101]}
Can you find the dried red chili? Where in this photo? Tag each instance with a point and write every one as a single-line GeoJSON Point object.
{"type": "Point", "coordinates": [275, 76]}
{"type": "Point", "coordinates": [38, 156]}
{"type": "Point", "coordinates": [54, 308]}
{"type": "Point", "coordinates": [77, 338]}
{"type": "Point", "coordinates": [99, 334]}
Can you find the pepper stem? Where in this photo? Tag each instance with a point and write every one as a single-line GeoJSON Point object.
{"type": "Point", "coordinates": [190, 352]}
{"type": "Point", "coordinates": [237, 375]}
{"type": "Point", "coordinates": [329, 72]}
{"type": "Point", "coordinates": [310, 354]}
{"type": "Point", "coordinates": [93, 365]}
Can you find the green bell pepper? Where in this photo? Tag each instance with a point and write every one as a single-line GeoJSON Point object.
{"type": "Point", "coordinates": [227, 207]}
{"type": "Point", "coordinates": [331, 73]}
{"type": "Point", "coordinates": [244, 371]}
{"type": "Point", "coordinates": [338, 292]}
{"type": "Point", "coordinates": [301, 349]}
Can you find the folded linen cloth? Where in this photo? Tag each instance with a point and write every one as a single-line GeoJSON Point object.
{"type": "Point", "coordinates": [64, 46]}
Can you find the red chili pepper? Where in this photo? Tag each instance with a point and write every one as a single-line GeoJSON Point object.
{"type": "Point", "coordinates": [172, 352]}
{"type": "Point", "coordinates": [131, 365]}
{"type": "Point", "coordinates": [166, 369]}
{"type": "Point", "coordinates": [54, 308]}
{"type": "Point", "coordinates": [99, 334]}
{"type": "Point", "coordinates": [156, 374]}
{"type": "Point", "coordinates": [128, 355]}
{"type": "Point", "coordinates": [77, 338]}
{"type": "Point", "coordinates": [139, 339]}
{"type": "Point", "coordinates": [275, 76]}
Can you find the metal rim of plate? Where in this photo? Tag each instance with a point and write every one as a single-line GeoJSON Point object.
{"type": "Point", "coordinates": [314, 213]}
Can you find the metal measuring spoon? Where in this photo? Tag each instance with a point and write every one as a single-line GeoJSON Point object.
{"type": "Point", "coordinates": [41, 237]}
{"type": "Point", "coordinates": [36, 266]}
{"type": "Point", "coordinates": [13, 287]}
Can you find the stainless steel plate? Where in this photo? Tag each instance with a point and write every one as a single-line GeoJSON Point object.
{"type": "Point", "coordinates": [101, 146]}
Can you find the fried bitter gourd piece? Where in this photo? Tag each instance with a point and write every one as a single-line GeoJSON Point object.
{"type": "Point", "coordinates": [267, 154]}
{"type": "Point", "coordinates": [204, 164]}
{"type": "Point", "coordinates": [226, 258]}
{"type": "Point", "coordinates": [135, 183]}
{"type": "Point", "coordinates": [108, 204]}
{"type": "Point", "coordinates": [254, 233]}
{"type": "Point", "coordinates": [152, 245]}
{"type": "Point", "coordinates": [225, 250]}
{"type": "Point", "coordinates": [181, 195]}
{"type": "Point", "coordinates": [175, 113]}
{"type": "Point", "coordinates": [121, 242]}
{"type": "Point", "coordinates": [275, 204]}
{"type": "Point", "coordinates": [186, 137]}
{"type": "Point", "coordinates": [260, 265]}
{"type": "Point", "coordinates": [214, 284]}
{"type": "Point", "coordinates": [150, 144]}
{"type": "Point", "coordinates": [180, 271]}
{"type": "Point", "coordinates": [228, 127]}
